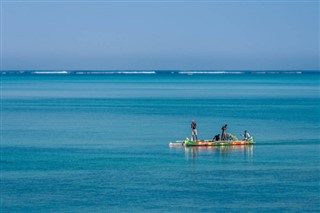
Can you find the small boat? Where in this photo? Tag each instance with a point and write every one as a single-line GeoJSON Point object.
{"type": "Point", "coordinates": [211, 143]}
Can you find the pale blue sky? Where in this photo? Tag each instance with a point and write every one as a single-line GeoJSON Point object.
{"type": "Point", "coordinates": [257, 35]}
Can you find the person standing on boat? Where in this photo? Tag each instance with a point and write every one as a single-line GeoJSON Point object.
{"type": "Point", "coordinates": [224, 132]}
{"type": "Point", "coordinates": [194, 133]}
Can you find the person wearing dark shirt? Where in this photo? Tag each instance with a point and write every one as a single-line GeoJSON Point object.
{"type": "Point", "coordinates": [194, 133]}
{"type": "Point", "coordinates": [224, 132]}
{"type": "Point", "coordinates": [216, 138]}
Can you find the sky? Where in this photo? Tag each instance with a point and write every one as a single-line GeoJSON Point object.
{"type": "Point", "coordinates": [160, 35]}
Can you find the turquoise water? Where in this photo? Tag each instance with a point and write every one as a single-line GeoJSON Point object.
{"type": "Point", "coordinates": [100, 143]}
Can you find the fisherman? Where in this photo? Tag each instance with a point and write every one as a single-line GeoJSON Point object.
{"type": "Point", "coordinates": [216, 137]}
{"type": "Point", "coordinates": [246, 135]}
{"type": "Point", "coordinates": [194, 133]}
{"type": "Point", "coordinates": [224, 132]}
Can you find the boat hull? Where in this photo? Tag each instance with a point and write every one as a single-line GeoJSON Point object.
{"type": "Point", "coordinates": [216, 143]}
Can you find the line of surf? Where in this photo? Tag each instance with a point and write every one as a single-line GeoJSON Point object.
{"type": "Point", "coordinates": [208, 72]}
{"type": "Point", "coordinates": [148, 72]}
{"type": "Point", "coordinates": [50, 72]}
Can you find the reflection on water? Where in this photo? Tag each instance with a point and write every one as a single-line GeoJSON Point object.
{"type": "Point", "coordinates": [219, 151]}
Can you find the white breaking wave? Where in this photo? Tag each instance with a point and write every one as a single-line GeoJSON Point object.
{"type": "Point", "coordinates": [50, 72]}
{"type": "Point", "coordinates": [137, 72]}
{"type": "Point", "coordinates": [292, 72]}
{"type": "Point", "coordinates": [95, 73]}
{"type": "Point", "coordinates": [209, 72]}
{"type": "Point", "coordinates": [281, 72]}
{"type": "Point", "coordinates": [114, 73]}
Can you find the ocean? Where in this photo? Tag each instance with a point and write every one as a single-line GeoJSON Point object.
{"type": "Point", "coordinates": [85, 141]}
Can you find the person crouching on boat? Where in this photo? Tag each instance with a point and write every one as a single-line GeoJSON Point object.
{"type": "Point", "coordinates": [224, 132]}
{"type": "Point", "coordinates": [216, 137]}
{"type": "Point", "coordinates": [246, 135]}
{"type": "Point", "coordinates": [194, 133]}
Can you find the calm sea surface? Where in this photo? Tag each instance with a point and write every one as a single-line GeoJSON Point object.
{"type": "Point", "coordinates": [88, 143]}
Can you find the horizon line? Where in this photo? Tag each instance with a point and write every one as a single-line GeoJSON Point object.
{"type": "Point", "coordinates": [225, 70]}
